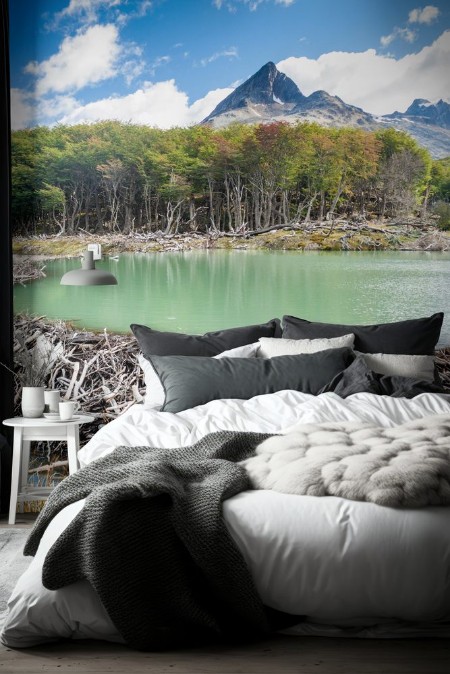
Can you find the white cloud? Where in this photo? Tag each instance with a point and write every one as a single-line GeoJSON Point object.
{"type": "Point", "coordinates": [87, 6]}
{"type": "Point", "coordinates": [379, 84]}
{"type": "Point", "coordinates": [403, 33]}
{"type": "Point", "coordinates": [231, 52]}
{"type": "Point", "coordinates": [159, 104]}
{"type": "Point", "coordinates": [158, 62]}
{"type": "Point", "coordinates": [27, 109]}
{"type": "Point", "coordinates": [426, 15]}
{"type": "Point", "coordinates": [142, 9]}
{"type": "Point", "coordinates": [132, 69]}
{"type": "Point", "coordinates": [251, 4]}
{"type": "Point", "coordinates": [21, 109]}
{"type": "Point", "coordinates": [88, 57]}
{"type": "Point", "coordinates": [203, 106]}
{"type": "Point", "coordinates": [132, 64]}
{"type": "Point", "coordinates": [87, 10]}
{"type": "Point", "coordinates": [56, 106]}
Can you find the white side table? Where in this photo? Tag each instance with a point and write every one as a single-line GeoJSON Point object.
{"type": "Point", "coordinates": [25, 431]}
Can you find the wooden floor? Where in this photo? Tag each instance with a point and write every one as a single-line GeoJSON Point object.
{"type": "Point", "coordinates": [280, 655]}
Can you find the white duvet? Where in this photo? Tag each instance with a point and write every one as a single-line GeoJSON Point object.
{"type": "Point", "coordinates": [350, 567]}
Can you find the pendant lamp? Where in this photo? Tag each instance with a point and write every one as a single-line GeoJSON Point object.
{"type": "Point", "coordinates": [88, 275]}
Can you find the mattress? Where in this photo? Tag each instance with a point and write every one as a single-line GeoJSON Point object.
{"type": "Point", "coordinates": [349, 567]}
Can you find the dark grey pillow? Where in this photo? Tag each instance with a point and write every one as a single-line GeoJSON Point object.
{"type": "Point", "coordinates": [188, 381]}
{"type": "Point", "coordinates": [157, 343]}
{"type": "Point", "coordinates": [358, 378]}
{"type": "Point", "coordinates": [415, 337]}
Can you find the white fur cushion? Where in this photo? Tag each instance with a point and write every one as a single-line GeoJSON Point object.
{"type": "Point", "coordinates": [271, 346]}
{"type": "Point", "coordinates": [417, 367]}
{"type": "Point", "coordinates": [154, 392]}
{"type": "Point", "coordinates": [404, 466]}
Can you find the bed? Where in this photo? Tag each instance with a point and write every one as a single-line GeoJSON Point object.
{"type": "Point", "coordinates": [349, 568]}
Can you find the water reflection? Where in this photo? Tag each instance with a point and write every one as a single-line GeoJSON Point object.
{"type": "Point", "coordinates": [207, 290]}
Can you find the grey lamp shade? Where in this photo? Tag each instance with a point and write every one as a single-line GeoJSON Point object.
{"type": "Point", "coordinates": [88, 275]}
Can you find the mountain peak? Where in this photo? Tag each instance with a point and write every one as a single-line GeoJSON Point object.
{"type": "Point", "coordinates": [267, 87]}
{"type": "Point", "coordinates": [418, 105]}
{"type": "Point", "coordinates": [426, 112]}
{"type": "Point", "coordinates": [270, 65]}
{"type": "Point", "coordinates": [270, 96]}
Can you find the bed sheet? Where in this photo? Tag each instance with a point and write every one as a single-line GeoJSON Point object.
{"type": "Point", "coordinates": [270, 413]}
{"type": "Point", "coordinates": [352, 568]}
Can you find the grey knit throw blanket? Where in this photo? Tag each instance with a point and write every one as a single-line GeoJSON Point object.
{"type": "Point", "coordinates": [152, 542]}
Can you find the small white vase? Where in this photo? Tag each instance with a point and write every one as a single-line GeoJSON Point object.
{"type": "Point", "coordinates": [32, 401]}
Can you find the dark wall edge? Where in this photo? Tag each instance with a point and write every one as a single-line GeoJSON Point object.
{"type": "Point", "coordinates": [6, 297]}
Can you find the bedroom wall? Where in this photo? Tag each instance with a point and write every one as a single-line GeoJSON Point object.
{"type": "Point", "coordinates": [107, 98]}
{"type": "Point", "coordinates": [83, 71]}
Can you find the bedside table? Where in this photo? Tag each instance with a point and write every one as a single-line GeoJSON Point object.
{"type": "Point", "coordinates": [27, 430]}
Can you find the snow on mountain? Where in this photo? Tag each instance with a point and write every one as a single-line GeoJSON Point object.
{"type": "Point", "coordinates": [269, 96]}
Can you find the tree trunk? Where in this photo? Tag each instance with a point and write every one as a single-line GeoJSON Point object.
{"type": "Point", "coordinates": [310, 205]}
{"type": "Point", "coordinates": [98, 211]}
{"type": "Point", "coordinates": [322, 205]}
{"type": "Point", "coordinates": [212, 215]}
{"type": "Point", "coordinates": [339, 191]}
{"type": "Point", "coordinates": [423, 211]}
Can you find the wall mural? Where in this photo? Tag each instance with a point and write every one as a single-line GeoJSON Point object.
{"type": "Point", "coordinates": [236, 160]}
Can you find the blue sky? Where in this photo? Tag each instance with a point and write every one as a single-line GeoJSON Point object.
{"type": "Point", "coordinates": [167, 62]}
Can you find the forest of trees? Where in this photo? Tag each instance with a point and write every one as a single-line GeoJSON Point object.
{"type": "Point", "coordinates": [119, 177]}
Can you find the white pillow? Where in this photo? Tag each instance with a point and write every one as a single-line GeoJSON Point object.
{"type": "Point", "coordinates": [154, 392]}
{"type": "Point", "coordinates": [271, 346]}
{"type": "Point", "coordinates": [417, 367]}
{"type": "Point", "coordinates": [246, 351]}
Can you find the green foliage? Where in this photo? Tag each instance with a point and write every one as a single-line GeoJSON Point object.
{"type": "Point", "coordinates": [442, 209]}
{"type": "Point", "coordinates": [51, 198]}
{"type": "Point", "coordinates": [111, 176]}
{"type": "Point", "coordinates": [405, 171]}
{"type": "Point", "coordinates": [440, 173]}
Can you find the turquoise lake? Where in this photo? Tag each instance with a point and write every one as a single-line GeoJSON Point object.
{"type": "Point", "coordinates": [206, 290]}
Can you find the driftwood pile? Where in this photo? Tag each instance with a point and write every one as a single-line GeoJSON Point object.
{"type": "Point", "coordinates": [443, 366]}
{"type": "Point", "coordinates": [102, 373]}
{"type": "Point", "coordinates": [50, 246]}
{"type": "Point", "coordinates": [26, 269]}
{"type": "Point", "coordinates": [433, 241]}
{"type": "Point", "coordinates": [407, 229]}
